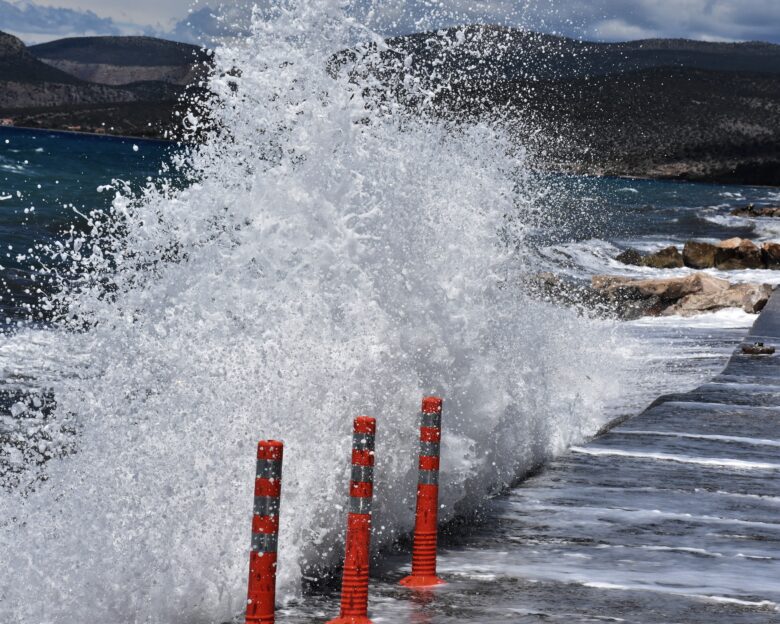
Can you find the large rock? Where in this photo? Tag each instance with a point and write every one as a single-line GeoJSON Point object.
{"type": "Point", "coordinates": [738, 253]}
{"type": "Point", "coordinates": [667, 258]}
{"type": "Point", "coordinates": [770, 253]}
{"type": "Point", "coordinates": [630, 256]}
{"type": "Point", "coordinates": [552, 288]}
{"type": "Point", "coordinates": [753, 211]}
{"type": "Point", "coordinates": [687, 295]}
{"type": "Point", "coordinates": [699, 255]}
{"type": "Point", "coordinates": [669, 289]}
{"type": "Point", "coordinates": [750, 297]}
{"type": "Point", "coordinates": [754, 296]}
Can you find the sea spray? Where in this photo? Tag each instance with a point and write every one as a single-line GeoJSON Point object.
{"type": "Point", "coordinates": [332, 254]}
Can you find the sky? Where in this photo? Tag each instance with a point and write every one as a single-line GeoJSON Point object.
{"type": "Point", "coordinates": [35, 21]}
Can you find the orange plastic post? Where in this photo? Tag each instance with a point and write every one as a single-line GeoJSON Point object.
{"type": "Point", "coordinates": [354, 585]}
{"type": "Point", "coordinates": [261, 594]}
{"type": "Point", "coordinates": [427, 518]}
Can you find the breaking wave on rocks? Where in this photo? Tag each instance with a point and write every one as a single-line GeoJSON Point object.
{"type": "Point", "coordinates": [333, 252]}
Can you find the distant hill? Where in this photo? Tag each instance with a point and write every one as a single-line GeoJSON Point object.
{"type": "Point", "coordinates": [655, 108]}
{"type": "Point", "coordinates": [17, 64]}
{"type": "Point", "coordinates": [123, 60]}
{"type": "Point", "coordinates": [122, 51]}
{"type": "Point", "coordinates": [27, 83]}
{"type": "Point", "coordinates": [490, 52]}
{"type": "Point", "coordinates": [133, 87]}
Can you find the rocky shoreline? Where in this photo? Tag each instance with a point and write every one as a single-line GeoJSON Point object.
{"type": "Point", "coordinates": [683, 296]}
{"type": "Point", "coordinates": [732, 254]}
{"type": "Point", "coordinates": [631, 297]}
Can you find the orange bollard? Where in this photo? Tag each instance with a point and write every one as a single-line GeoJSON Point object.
{"type": "Point", "coordinates": [261, 594]}
{"type": "Point", "coordinates": [427, 519]}
{"type": "Point", "coordinates": [354, 585]}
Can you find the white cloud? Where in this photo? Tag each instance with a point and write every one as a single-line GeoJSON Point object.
{"type": "Point", "coordinates": [620, 30]}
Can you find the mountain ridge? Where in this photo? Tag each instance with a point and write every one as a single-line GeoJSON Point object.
{"type": "Point", "coordinates": [656, 108]}
{"type": "Point", "coordinates": [131, 95]}
{"type": "Point", "coordinates": [675, 108]}
{"type": "Point", "coordinates": [115, 50]}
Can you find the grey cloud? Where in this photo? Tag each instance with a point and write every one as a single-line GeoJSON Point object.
{"type": "Point", "coordinates": [34, 18]}
{"type": "Point", "coordinates": [589, 19]}
{"type": "Point", "coordinates": [34, 23]}
{"type": "Point", "coordinates": [205, 25]}
{"type": "Point", "coordinates": [695, 19]}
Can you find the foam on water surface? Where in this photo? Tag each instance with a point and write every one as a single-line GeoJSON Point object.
{"type": "Point", "coordinates": [736, 464]}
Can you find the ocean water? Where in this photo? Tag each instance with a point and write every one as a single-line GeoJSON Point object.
{"type": "Point", "coordinates": [49, 182]}
{"type": "Point", "coordinates": [323, 254]}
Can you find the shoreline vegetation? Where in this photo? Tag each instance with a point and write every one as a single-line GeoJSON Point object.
{"type": "Point", "coordinates": [655, 109]}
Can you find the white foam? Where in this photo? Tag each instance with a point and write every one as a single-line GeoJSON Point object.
{"type": "Point", "coordinates": [728, 318]}
{"type": "Point", "coordinates": [724, 462]}
{"type": "Point", "coordinates": [564, 514]}
{"type": "Point", "coordinates": [701, 436]}
{"type": "Point", "coordinates": [728, 408]}
{"type": "Point", "coordinates": [761, 604]}
{"type": "Point", "coordinates": [726, 220]}
{"type": "Point", "coordinates": [677, 549]}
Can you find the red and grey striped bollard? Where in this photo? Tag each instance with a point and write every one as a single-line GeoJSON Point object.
{"type": "Point", "coordinates": [261, 595]}
{"type": "Point", "coordinates": [427, 519]}
{"type": "Point", "coordinates": [354, 586]}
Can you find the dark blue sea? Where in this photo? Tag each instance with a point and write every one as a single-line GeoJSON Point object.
{"type": "Point", "coordinates": [49, 182]}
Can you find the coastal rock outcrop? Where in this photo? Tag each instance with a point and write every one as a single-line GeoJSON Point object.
{"type": "Point", "coordinates": [738, 253]}
{"type": "Point", "coordinates": [687, 295]}
{"type": "Point", "coordinates": [770, 253]}
{"type": "Point", "coordinates": [668, 258]}
{"type": "Point", "coordinates": [750, 297]}
{"type": "Point", "coordinates": [671, 288]}
{"type": "Point", "coordinates": [630, 256]}
{"type": "Point", "coordinates": [728, 255]}
{"type": "Point", "coordinates": [753, 211]}
{"type": "Point", "coordinates": [699, 255]}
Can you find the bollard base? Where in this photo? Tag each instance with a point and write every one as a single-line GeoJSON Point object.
{"type": "Point", "coordinates": [351, 619]}
{"type": "Point", "coordinates": [421, 582]}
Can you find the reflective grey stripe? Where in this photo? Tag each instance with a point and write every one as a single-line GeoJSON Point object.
{"type": "Point", "coordinates": [360, 504]}
{"type": "Point", "coordinates": [429, 477]}
{"type": "Point", "coordinates": [264, 542]}
{"type": "Point", "coordinates": [429, 449]}
{"type": "Point", "coordinates": [431, 420]}
{"type": "Point", "coordinates": [269, 469]}
{"type": "Point", "coordinates": [266, 506]}
{"type": "Point", "coordinates": [363, 441]}
{"type": "Point", "coordinates": [362, 474]}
